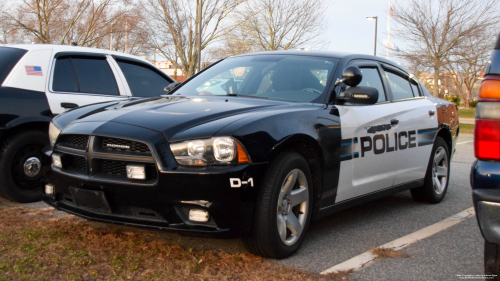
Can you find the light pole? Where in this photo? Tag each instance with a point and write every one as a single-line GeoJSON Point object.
{"type": "Point", "coordinates": [200, 5]}
{"type": "Point", "coordinates": [375, 47]}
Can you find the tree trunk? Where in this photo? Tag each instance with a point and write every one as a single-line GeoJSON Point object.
{"type": "Point", "coordinates": [467, 100]}
{"type": "Point", "coordinates": [436, 81]}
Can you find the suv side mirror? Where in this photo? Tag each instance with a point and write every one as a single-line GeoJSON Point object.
{"type": "Point", "coordinates": [172, 86]}
{"type": "Point", "coordinates": [359, 95]}
{"type": "Point", "coordinates": [352, 76]}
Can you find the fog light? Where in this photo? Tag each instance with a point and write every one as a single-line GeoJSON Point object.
{"type": "Point", "coordinates": [56, 161]}
{"type": "Point", "coordinates": [49, 189]}
{"type": "Point", "coordinates": [198, 215]}
{"type": "Point", "coordinates": [136, 172]}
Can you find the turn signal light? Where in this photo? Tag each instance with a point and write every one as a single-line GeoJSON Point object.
{"type": "Point", "coordinates": [490, 89]}
{"type": "Point", "coordinates": [242, 155]}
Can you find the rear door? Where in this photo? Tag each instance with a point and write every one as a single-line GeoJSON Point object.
{"type": "Point", "coordinates": [368, 140]}
{"type": "Point", "coordinates": [417, 126]}
{"type": "Point", "coordinates": [79, 79]}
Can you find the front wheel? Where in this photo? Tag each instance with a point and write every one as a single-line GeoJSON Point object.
{"type": "Point", "coordinates": [283, 210]}
{"type": "Point", "coordinates": [21, 166]}
{"type": "Point", "coordinates": [437, 175]}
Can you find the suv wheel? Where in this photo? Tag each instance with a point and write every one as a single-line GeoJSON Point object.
{"type": "Point", "coordinates": [284, 208]}
{"type": "Point", "coordinates": [21, 166]}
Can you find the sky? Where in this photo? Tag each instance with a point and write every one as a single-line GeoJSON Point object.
{"type": "Point", "coordinates": [348, 29]}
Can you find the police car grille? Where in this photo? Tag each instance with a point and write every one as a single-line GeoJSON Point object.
{"type": "Point", "coordinates": [114, 167]}
{"type": "Point", "coordinates": [77, 163]}
{"type": "Point", "coordinates": [121, 145]}
{"type": "Point", "coordinates": [75, 141]}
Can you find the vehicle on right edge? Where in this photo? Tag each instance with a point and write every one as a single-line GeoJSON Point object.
{"type": "Point", "coordinates": [485, 172]}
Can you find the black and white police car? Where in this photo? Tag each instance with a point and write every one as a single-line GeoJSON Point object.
{"type": "Point", "coordinates": [286, 138]}
{"type": "Point", "coordinates": [41, 81]}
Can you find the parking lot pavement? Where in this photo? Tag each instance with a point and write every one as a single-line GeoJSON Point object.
{"type": "Point", "coordinates": [335, 239]}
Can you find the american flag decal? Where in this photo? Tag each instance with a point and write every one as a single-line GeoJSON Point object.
{"type": "Point", "coordinates": [33, 70]}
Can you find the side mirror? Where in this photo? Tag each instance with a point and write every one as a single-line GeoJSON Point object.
{"type": "Point", "coordinates": [352, 76]}
{"type": "Point", "coordinates": [172, 86]}
{"type": "Point", "coordinates": [360, 95]}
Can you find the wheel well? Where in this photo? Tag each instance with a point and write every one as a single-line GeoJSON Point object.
{"type": "Point", "coordinates": [314, 160]}
{"type": "Point", "coordinates": [39, 126]}
{"type": "Point", "coordinates": [446, 135]}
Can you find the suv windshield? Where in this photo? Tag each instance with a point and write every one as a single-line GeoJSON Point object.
{"type": "Point", "coordinates": [278, 77]}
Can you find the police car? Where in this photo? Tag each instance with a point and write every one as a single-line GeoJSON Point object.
{"type": "Point", "coordinates": [485, 172]}
{"type": "Point", "coordinates": [300, 136]}
{"type": "Point", "coordinates": [41, 81]}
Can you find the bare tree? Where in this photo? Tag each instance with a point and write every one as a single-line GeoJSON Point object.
{"type": "Point", "coordinates": [175, 28]}
{"type": "Point", "coordinates": [435, 27]}
{"type": "Point", "coordinates": [418, 64]}
{"type": "Point", "coordinates": [467, 61]}
{"type": "Point", "coordinates": [232, 44]}
{"type": "Point", "coordinates": [282, 24]}
{"type": "Point", "coordinates": [85, 22]}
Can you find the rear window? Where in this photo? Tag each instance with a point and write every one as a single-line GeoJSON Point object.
{"type": "Point", "coordinates": [8, 59]}
{"type": "Point", "coordinates": [82, 74]}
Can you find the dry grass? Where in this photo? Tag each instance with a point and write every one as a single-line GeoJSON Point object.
{"type": "Point", "coordinates": [71, 249]}
{"type": "Point", "coordinates": [388, 253]}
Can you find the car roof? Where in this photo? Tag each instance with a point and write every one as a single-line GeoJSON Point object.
{"type": "Point", "coordinates": [67, 48]}
{"type": "Point", "coordinates": [328, 54]}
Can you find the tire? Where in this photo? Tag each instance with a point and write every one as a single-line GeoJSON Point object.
{"type": "Point", "coordinates": [431, 191]}
{"type": "Point", "coordinates": [491, 260]}
{"type": "Point", "coordinates": [288, 182]}
{"type": "Point", "coordinates": [16, 184]}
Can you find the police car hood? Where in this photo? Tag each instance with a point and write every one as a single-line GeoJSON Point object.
{"type": "Point", "coordinates": [172, 115]}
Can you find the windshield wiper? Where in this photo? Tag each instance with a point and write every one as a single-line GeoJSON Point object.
{"type": "Point", "coordinates": [245, 96]}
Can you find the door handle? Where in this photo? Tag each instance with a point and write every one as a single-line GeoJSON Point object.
{"type": "Point", "coordinates": [431, 112]}
{"type": "Point", "coordinates": [394, 121]}
{"type": "Point", "coordinates": [68, 105]}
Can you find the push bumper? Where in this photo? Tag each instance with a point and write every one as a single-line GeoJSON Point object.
{"type": "Point", "coordinates": [167, 204]}
{"type": "Point", "coordinates": [485, 182]}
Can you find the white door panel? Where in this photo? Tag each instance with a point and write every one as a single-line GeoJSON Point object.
{"type": "Point", "coordinates": [421, 128]}
{"type": "Point", "coordinates": [367, 153]}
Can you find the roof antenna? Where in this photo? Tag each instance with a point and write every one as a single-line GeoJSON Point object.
{"type": "Point", "coordinates": [74, 44]}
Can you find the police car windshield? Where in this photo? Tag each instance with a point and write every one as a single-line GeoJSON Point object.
{"type": "Point", "coordinates": [278, 77]}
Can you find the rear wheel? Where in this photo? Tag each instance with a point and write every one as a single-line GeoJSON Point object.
{"type": "Point", "coordinates": [436, 178]}
{"type": "Point", "coordinates": [491, 260]}
{"type": "Point", "coordinates": [21, 166]}
{"type": "Point", "coordinates": [283, 210]}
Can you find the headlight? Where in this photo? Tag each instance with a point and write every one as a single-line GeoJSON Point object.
{"type": "Point", "coordinates": [214, 151]}
{"type": "Point", "coordinates": [53, 133]}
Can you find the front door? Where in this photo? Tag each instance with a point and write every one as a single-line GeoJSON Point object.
{"type": "Point", "coordinates": [368, 142]}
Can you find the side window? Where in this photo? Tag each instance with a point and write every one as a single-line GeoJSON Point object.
{"type": "Point", "coordinates": [142, 80]}
{"type": "Point", "coordinates": [64, 79]}
{"type": "Point", "coordinates": [84, 75]}
{"type": "Point", "coordinates": [414, 87]}
{"type": "Point", "coordinates": [400, 86]}
{"type": "Point", "coordinates": [371, 78]}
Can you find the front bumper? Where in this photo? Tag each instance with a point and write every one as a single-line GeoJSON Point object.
{"type": "Point", "coordinates": [485, 182]}
{"type": "Point", "coordinates": [166, 204]}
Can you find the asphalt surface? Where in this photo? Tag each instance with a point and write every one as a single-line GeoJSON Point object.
{"type": "Point", "coordinates": [457, 250]}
